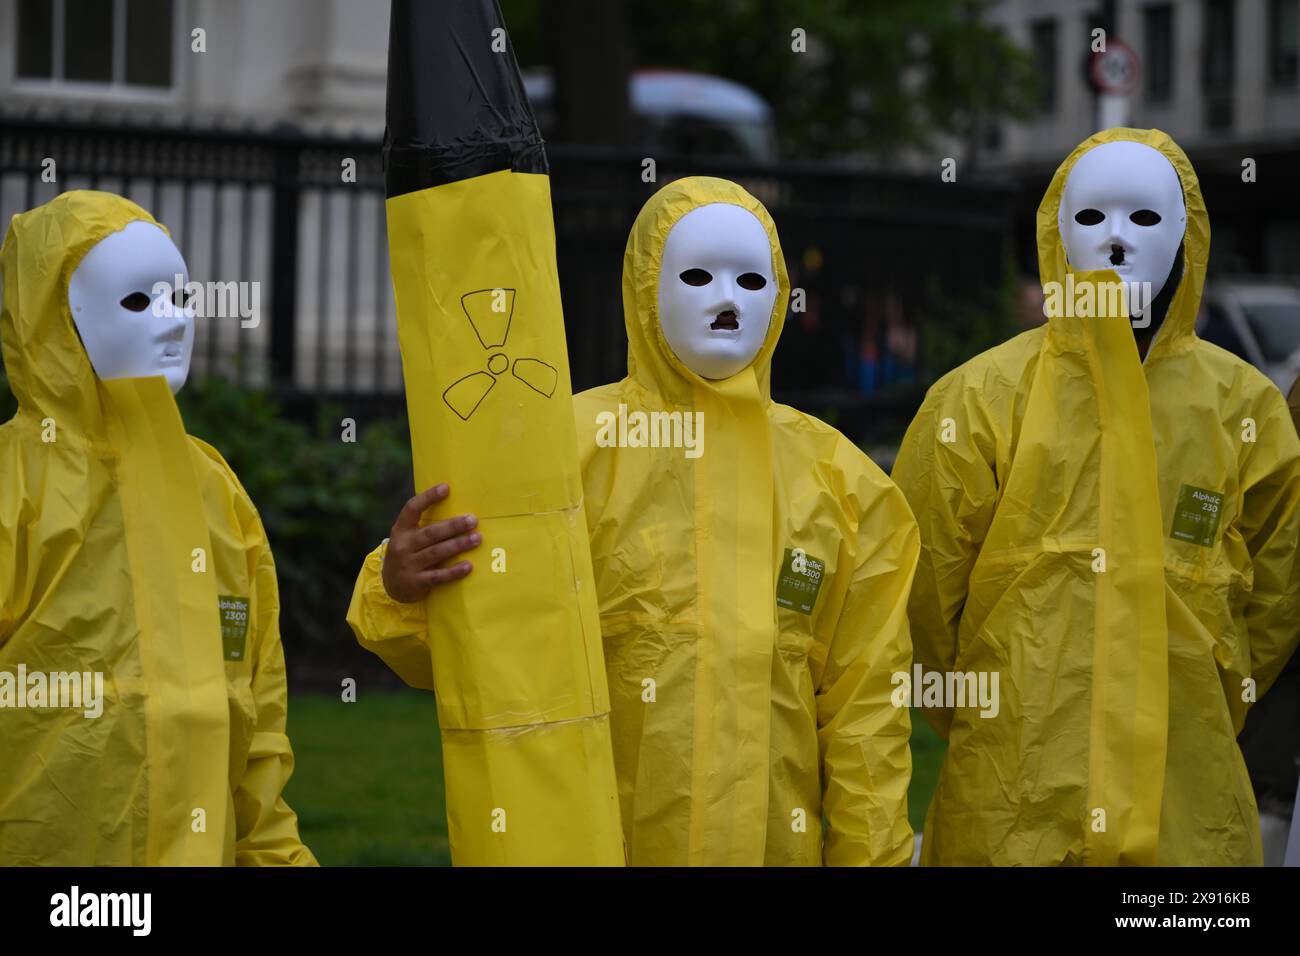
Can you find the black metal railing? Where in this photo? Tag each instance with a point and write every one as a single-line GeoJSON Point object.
{"type": "Point", "coordinates": [868, 250]}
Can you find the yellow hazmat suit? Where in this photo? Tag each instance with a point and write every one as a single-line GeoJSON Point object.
{"type": "Point", "coordinates": [750, 684]}
{"type": "Point", "coordinates": [129, 549]}
{"type": "Point", "coordinates": [1059, 483]}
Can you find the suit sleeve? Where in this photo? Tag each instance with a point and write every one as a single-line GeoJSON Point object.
{"type": "Point", "coordinates": [945, 470]}
{"type": "Point", "coordinates": [15, 581]}
{"type": "Point", "coordinates": [863, 732]}
{"type": "Point", "coordinates": [1270, 525]}
{"type": "Point", "coordinates": [397, 632]}
{"type": "Point", "coordinates": [266, 828]}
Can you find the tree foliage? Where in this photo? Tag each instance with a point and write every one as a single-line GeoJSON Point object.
{"type": "Point", "coordinates": [877, 77]}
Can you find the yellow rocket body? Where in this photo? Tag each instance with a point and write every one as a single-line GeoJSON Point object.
{"type": "Point", "coordinates": [518, 668]}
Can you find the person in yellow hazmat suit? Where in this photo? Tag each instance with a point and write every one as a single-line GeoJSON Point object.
{"type": "Point", "coordinates": [142, 681]}
{"type": "Point", "coordinates": [752, 568]}
{"type": "Point", "coordinates": [1109, 510]}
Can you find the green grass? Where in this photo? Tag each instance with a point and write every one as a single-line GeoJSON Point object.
{"type": "Point", "coordinates": [367, 784]}
{"type": "Point", "coordinates": [368, 791]}
{"type": "Point", "coordinates": [928, 749]}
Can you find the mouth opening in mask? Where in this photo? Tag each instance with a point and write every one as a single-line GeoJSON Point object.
{"type": "Point", "coordinates": [1116, 255]}
{"type": "Point", "coordinates": [726, 321]}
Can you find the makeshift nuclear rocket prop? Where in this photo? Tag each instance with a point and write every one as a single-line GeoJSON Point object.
{"type": "Point", "coordinates": [519, 672]}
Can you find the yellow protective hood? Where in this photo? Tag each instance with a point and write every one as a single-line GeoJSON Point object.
{"type": "Point", "coordinates": [650, 361]}
{"type": "Point", "coordinates": [48, 369]}
{"type": "Point", "coordinates": [1180, 321]}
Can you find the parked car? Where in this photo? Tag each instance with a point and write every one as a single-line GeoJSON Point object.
{"type": "Point", "coordinates": [1258, 319]}
{"type": "Point", "coordinates": [677, 111]}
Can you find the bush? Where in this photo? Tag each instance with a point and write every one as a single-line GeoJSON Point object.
{"type": "Point", "coordinates": [959, 327]}
{"type": "Point", "coordinates": [325, 502]}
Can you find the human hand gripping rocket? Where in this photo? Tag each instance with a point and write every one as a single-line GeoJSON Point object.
{"type": "Point", "coordinates": [518, 667]}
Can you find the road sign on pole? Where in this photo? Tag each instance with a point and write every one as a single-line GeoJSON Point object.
{"type": "Point", "coordinates": [1114, 75]}
{"type": "Point", "coordinates": [1115, 69]}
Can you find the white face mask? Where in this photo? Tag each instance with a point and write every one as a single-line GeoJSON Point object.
{"type": "Point", "coordinates": [716, 289]}
{"type": "Point", "coordinates": [130, 325]}
{"type": "Point", "coordinates": [1122, 209]}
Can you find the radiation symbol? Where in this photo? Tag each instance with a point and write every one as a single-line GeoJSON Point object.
{"type": "Point", "coordinates": [489, 312]}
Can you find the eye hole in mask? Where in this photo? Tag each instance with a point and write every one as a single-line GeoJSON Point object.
{"type": "Point", "coordinates": [751, 281]}
{"type": "Point", "coordinates": [1089, 217]}
{"type": "Point", "coordinates": [182, 299]}
{"type": "Point", "coordinates": [696, 277]}
{"type": "Point", "coordinates": [136, 302]}
{"type": "Point", "coordinates": [1145, 217]}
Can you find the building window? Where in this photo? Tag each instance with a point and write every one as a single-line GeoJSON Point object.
{"type": "Point", "coordinates": [1158, 38]}
{"type": "Point", "coordinates": [1042, 34]}
{"type": "Point", "coordinates": [1218, 63]}
{"type": "Point", "coordinates": [107, 42]}
{"type": "Point", "coordinates": [1283, 42]}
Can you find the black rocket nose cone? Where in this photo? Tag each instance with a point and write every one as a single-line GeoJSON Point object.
{"type": "Point", "coordinates": [456, 103]}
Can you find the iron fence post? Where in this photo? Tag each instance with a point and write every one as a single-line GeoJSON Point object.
{"type": "Point", "coordinates": [284, 266]}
